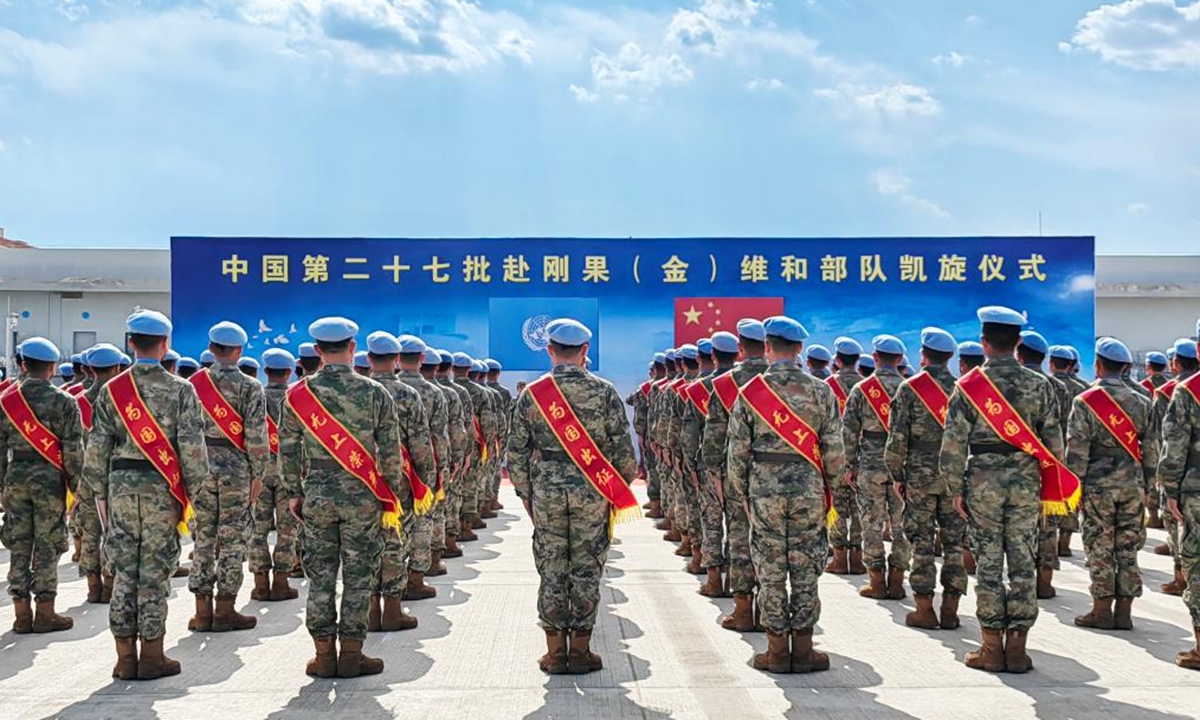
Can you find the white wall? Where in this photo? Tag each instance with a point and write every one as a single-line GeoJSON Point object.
{"type": "Point", "coordinates": [1147, 323]}
{"type": "Point", "coordinates": [57, 318]}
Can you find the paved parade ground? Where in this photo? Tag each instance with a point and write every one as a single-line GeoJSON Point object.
{"type": "Point", "coordinates": [474, 654]}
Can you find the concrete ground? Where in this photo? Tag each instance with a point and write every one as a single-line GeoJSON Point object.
{"type": "Point", "coordinates": [474, 655]}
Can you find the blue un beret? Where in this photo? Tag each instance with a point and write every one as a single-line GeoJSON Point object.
{"type": "Point", "coordinates": [888, 344]}
{"type": "Point", "coordinates": [566, 331]}
{"type": "Point", "coordinates": [867, 361]}
{"type": "Point", "coordinates": [1035, 342]}
{"type": "Point", "coordinates": [687, 351]}
{"type": "Point", "coordinates": [126, 361]}
{"type": "Point", "coordinates": [1061, 352]}
{"type": "Point", "coordinates": [938, 340]}
{"type": "Point", "coordinates": [445, 356]}
{"type": "Point", "coordinates": [725, 342]}
{"type": "Point", "coordinates": [1114, 350]}
{"type": "Point", "coordinates": [970, 348]}
{"type": "Point", "coordinates": [171, 356]}
{"type": "Point", "coordinates": [333, 329]}
{"type": "Point", "coordinates": [660, 358]}
{"type": "Point", "coordinates": [784, 327]}
{"type": "Point", "coordinates": [670, 355]}
{"type": "Point", "coordinates": [40, 349]}
{"type": "Point", "coordinates": [820, 353]}
{"type": "Point", "coordinates": [77, 358]}
{"type": "Point", "coordinates": [227, 333]}
{"type": "Point", "coordinates": [431, 357]}
{"type": "Point", "coordinates": [360, 359]}
{"type": "Point", "coordinates": [278, 359]}
{"type": "Point", "coordinates": [384, 343]}
{"type": "Point", "coordinates": [704, 346]}
{"type": "Point", "coordinates": [247, 362]}
{"type": "Point", "coordinates": [207, 357]}
{"type": "Point", "coordinates": [1185, 348]}
{"type": "Point", "coordinates": [477, 366]}
{"type": "Point", "coordinates": [187, 362]}
{"type": "Point", "coordinates": [148, 322]}
{"type": "Point", "coordinates": [308, 350]}
{"type": "Point", "coordinates": [1074, 352]}
{"type": "Point", "coordinates": [1156, 358]}
{"type": "Point", "coordinates": [104, 355]}
{"type": "Point", "coordinates": [66, 370]}
{"type": "Point", "coordinates": [411, 344]}
{"type": "Point", "coordinates": [751, 329]}
{"type": "Point", "coordinates": [847, 346]}
{"type": "Point", "coordinates": [492, 364]}
{"type": "Point", "coordinates": [1000, 315]}
{"type": "Point", "coordinates": [461, 360]}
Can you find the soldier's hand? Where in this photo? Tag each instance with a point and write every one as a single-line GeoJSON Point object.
{"type": "Point", "coordinates": [898, 488]}
{"type": "Point", "coordinates": [296, 508]}
{"type": "Point", "coordinates": [960, 507]}
{"type": "Point", "coordinates": [852, 480]}
{"type": "Point", "coordinates": [102, 511]}
{"type": "Point", "coordinates": [528, 503]}
{"type": "Point", "coordinates": [256, 488]}
{"type": "Point", "coordinates": [1173, 507]}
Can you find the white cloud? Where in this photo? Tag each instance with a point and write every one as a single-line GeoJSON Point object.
{"type": "Point", "coordinates": [973, 20]}
{"type": "Point", "coordinates": [1065, 47]}
{"type": "Point", "coordinates": [1080, 284]}
{"type": "Point", "coordinates": [1143, 34]}
{"type": "Point", "coordinates": [739, 11]}
{"type": "Point", "coordinates": [765, 84]}
{"type": "Point", "coordinates": [901, 101]}
{"type": "Point", "coordinates": [3, 147]}
{"type": "Point", "coordinates": [514, 44]}
{"type": "Point", "coordinates": [631, 74]}
{"type": "Point", "coordinates": [893, 184]}
{"type": "Point", "coordinates": [951, 59]}
{"type": "Point", "coordinates": [693, 29]}
{"type": "Point", "coordinates": [1137, 208]}
{"type": "Point", "coordinates": [71, 9]}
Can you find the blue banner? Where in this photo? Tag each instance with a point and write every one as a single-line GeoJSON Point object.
{"type": "Point", "coordinates": [492, 297]}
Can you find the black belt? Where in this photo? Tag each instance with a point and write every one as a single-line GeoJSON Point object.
{"type": "Point", "coordinates": [27, 456]}
{"type": "Point", "coordinates": [130, 464]}
{"type": "Point", "coordinates": [221, 442]}
{"type": "Point", "coordinates": [554, 455]}
{"type": "Point", "coordinates": [776, 457]}
{"type": "Point", "coordinates": [1109, 452]}
{"type": "Point", "coordinates": [873, 435]}
{"type": "Point", "coordinates": [994, 449]}
{"type": "Point", "coordinates": [321, 464]}
{"type": "Point", "coordinates": [930, 446]}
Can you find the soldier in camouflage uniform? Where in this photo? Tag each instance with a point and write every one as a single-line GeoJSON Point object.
{"type": "Point", "coordinates": [224, 503]}
{"type": "Point", "coordinates": [420, 550]}
{"type": "Point", "coordinates": [570, 518]}
{"type": "Point", "coordinates": [461, 486]}
{"type": "Point", "coordinates": [271, 510]}
{"type": "Point", "coordinates": [662, 463]}
{"type": "Point", "coordinates": [818, 358]}
{"type": "Point", "coordinates": [33, 492]}
{"type": "Point", "coordinates": [105, 362]}
{"type": "Point", "coordinates": [1061, 362]}
{"type": "Point", "coordinates": [452, 468]}
{"type": "Point", "coordinates": [846, 534]}
{"type": "Point", "coordinates": [639, 401]}
{"type": "Point", "coordinates": [865, 438]}
{"type": "Point", "coordinates": [914, 442]}
{"type": "Point", "coordinates": [341, 515]}
{"type": "Point", "coordinates": [751, 338]}
{"type": "Point", "coordinates": [1114, 486]}
{"type": "Point", "coordinates": [1179, 476]}
{"type": "Point", "coordinates": [140, 514]}
{"type": "Point", "coordinates": [784, 495]}
{"type": "Point", "coordinates": [505, 406]}
{"type": "Point", "coordinates": [1156, 376]}
{"type": "Point", "coordinates": [682, 430]}
{"type": "Point", "coordinates": [484, 408]}
{"type": "Point", "coordinates": [1184, 365]}
{"type": "Point", "coordinates": [712, 516]}
{"type": "Point", "coordinates": [999, 492]}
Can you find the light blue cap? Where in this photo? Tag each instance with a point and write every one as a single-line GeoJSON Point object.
{"type": "Point", "coordinates": [126, 360]}
{"type": "Point", "coordinates": [687, 351]}
{"type": "Point", "coordinates": [247, 362]}
{"type": "Point", "coordinates": [820, 353]}
{"type": "Point", "coordinates": [431, 357]}
{"type": "Point", "coordinates": [785, 328]}
{"type": "Point", "coordinates": [566, 331]}
{"type": "Point", "coordinates": [1114, 350]}
{"type": "Point", "coordinates": [148, 322]}
{"type": "Point", "coordinates": [1035, 342]}
{"type": "Point", "coordinates": [461, 360]}
{"type": "Point", "coordinates": [187, 362]}
{"type": "Point", "coordinates": [670, 354]}
{"type": "Point", "coordinates": [227, 333]}
{"type": "Point", "coordinates": [660, 358]}
{"type": "Point", "coordinates": [970, 348]}
{"type": "Point", "coordinates": [493, 364]}
{"type": "Point", "coordinates": [938, 340]}
{"type": "Point", "coordinates": [751, 329]}
{"type": "Point", "coordinates": [446, 356]}
{"type": "Point", "coordinates": [1156, 357]}
{"type": "Point", "coordinates": [385, 343]}
{"type": "Point", "coordinates": [705, 346]}
{"type": "Point", "coordinates": [1185, 347]}
{"type": "Point", "coordinates": [77, 358]}
{"type": "Point", "coordinates": [1000, 315]}
{"type": "Point", "coordinates": [66, 370]}
{"type": "Point", "coordinates": [308, 350]}
{"type": "Point", "coordinates": [867, 361]}
{"type": "Point", "coordinates": [724, 341]}
{"type": "Point", "coordinates": [411, 344]}
{"type": "Point", "coordinates": [333, 329]}
{"type": "Point", "coordinates": [1074, 352]}
{"type": "Point", "coordinates": [1061, 352]}
{"type": "Point", "coordinates": [103, 355]}
{"type": "Point", "coordinates": [847, 346]}
{"type": "Point", "coordinates": [207, 357]}
{"type": "Point", "coordinates": [360, 359]}
{"type": "Point", "coordinates": [40, 349]}
{"type": "Point", "coordinates": [171, 356]}
{"type": "Point", "coordinates": [278, 359]}
{"type": "Point", "coordinates": [888, 344]}
{"type": "Point", "coordinates": [1171, 353]}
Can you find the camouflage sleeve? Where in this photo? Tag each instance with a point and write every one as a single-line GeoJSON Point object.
{"type": "Point", "coordinates": [3, 451]}
{"type": "Point", "coordinates": [457, 431]}
{"type": "Point", "coordinates": [1178, 425]}
{"type": "Point", "coordinates": [852, 428]}
{"type": "Point", "coordinates": [520, 448]}
{"type": "Point", "coordinates": [291, 453]}
{"type": "Point", "coordinates": [833, 446]}
{"type": "Point", "coordinates": [70, 438]}
{"type": "Point", "coordinates": [712, 445]}
{"type": "Point", "coordinates": [439, 427]}
{"type": "Point", "coordinates": [1150, 442]}
{"type": "Point", "coordinates": [620, 446]}
{"type": "Point", "coordinates": [419, 442]}
{"type": "Point", "coordinates": [491, 419]}
{"type": "Point", "coordinates": [952, 461]}
{"type": "Point", "coordinates": [639, 414]}
{"type": "Point", "coordinates": [258, 448]}
{"type": "Point", "coordinates": [895, 453]}
{"type": "Point", "coordinates": [738, 453]}
{"type": "Point", "coordinates": [387, 441]}
{"type": "Point", "coordinates": [1050, 428]}
{"type": "Point", "coordinates": [1081, 429]}
{"type": "Point", "coordinates": [101, 441]}
{"type": "Point", "coordinates": [189, 439]}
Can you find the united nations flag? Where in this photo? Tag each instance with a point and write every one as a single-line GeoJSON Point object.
{"type": "Point", "coordinates": [517, 329]}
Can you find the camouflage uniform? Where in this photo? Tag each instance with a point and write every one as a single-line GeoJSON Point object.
{"type": "Point", "coordinates": [86, 518]}
{"type": "Point", "coordinates": [271, 512]}
{"type": "Point", "coordinates": [1114, 486]}
{"type": "Point", "coordinates": [34, 491]}
{"type": "Point", "coordinates": [1179, 476]}
{"type": "Point", "coordinates": [224, 514]}
{"type": "Point", "coordinates": [911, 455]}
{"type": "Point", "coordinates": [434, 404]}
{"type": "Point", "coordinates": [1170, 524]}
{"type": "Point", "coordinates": [712, 514]}
{"type": "Point", "coordinates": [659, 429]}
{"type": "Point", "coordinates": [847, 531]}
{"type": "Point", "coordinates": [785, 496]}
{"type": "Point", "coordinates": [458, 444]}
{"type": "Point", "coordinates": [865, 438]}
{"type": "Point", "coordinates": [639, 402]}
{"type": "Point", "coordinates": [1070, 523]}
{"type": "Point", "coordinates": [1002, 491]}
{"type": "Point", "coordinates": [504, 406]}
{"type": "Point", "coordinates": [1050, 524]}
{"type": "Point", "coordinates": [142, 540]}
{"type": "Point", "coordinates": [570, 519]}
{"type": "Point", "coordinates": [656, 465]}
{"type": "Point", "coordinates": [687, 505]}
{"type": "Point", "coordinates": [459, 491]}
{"type": "Point", "coordinates": [483, 403]}
{"type": "Point", "coordinates": [341, 514]}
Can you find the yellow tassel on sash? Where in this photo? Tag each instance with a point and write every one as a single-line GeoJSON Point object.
{"type": "Point", "coordinates": [831, 518]}
{"type": "Point", "coordinates": [424, 505]}
{"type": "Point", "coordinates": [188, 515]}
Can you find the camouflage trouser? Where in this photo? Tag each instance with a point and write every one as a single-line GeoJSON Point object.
{"type": "Point", "coordinates": [741, 566]}
{"type": "Point", "coordinates": [695, 506]}
{"type": "Point", "coordinates": [1003, 531]}
{"type": "Point", "coordinates": [570, 546]}
{"type": "Point", "coordinates": [924, 515]}
{"type": "Point", "coordinates": [788, 544]}
{"type": "Point", "coordinates": [349, 536]}
{"type": "Point", "coordinates": [224, 520]}
{"type": "Point", "coordinates": [1171, 525]}
{"type": "Point", "coordinates": [392, 574]}
{"type": "Point", "coordinates": [86, 518]}
{"type": "Point", "coordinates": [653, 482]}
{"type": "Point", "coordinates": [34, 529]}
{"type": "Point", "coordinates": [420, 544]}
{"type": "Point", "coordinates": [1113, 533]}
{"type": "Point", "coordinates": [472, 491]}
{"type": "Point", "coordinates": [271, 513]}
{"type": "Point", "coordinates": [437, 526]}
{"type": "Point", "coordinates": [879, 507]}
{"type": "Point", "coordinates": [143, 544]}
{"type": "Point", "coordinates": [847, 531]}
{"type": "Point", "coordinates": [679, 501]}
{"type": "Point", "coordinates": [1047, 539]}
{"type": "Point", "coordinates": [1189, 553]}
{"type": "Point", "coordinates": [1069, 522]}
{"type": "Point", "coordinates": [712, 527]}
{"type": "Point", "coordinates": [452, 515]}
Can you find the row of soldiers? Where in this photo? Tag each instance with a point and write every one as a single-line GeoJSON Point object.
{"type": "Point", "coordinates": [380, 473]}
{"type": "Point", "coordinates": [750, 458]}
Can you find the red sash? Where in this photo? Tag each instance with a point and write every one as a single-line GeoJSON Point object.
{"type": "Point", "coordinates": [75, 390]}
{"type": "Point", "coordinates": [85, 411]}
{"type": "Point", "coordinates": [1168, 389]}
{"type": "Point", "coordinates": [583, 451]}
{"type": "Point", "coordinates": [150, 439]}
{"type": "Point", "coordinates": [227, 419]}
{"type": "Point", "coordinates": [1061, 489]}
{"type": "Point", "coordinates": [931, 394]}
{"type": "Point", "coordinates": [700, 396]}
{"type": "Point", "coordinates": [726, 389]}
{"type": "Point", "coordinates": [1192, 387]}
{"type": "Point", "coordinates": [645, 389]}
{"type": "Point", "coordinates": [838, 391]}
{"type": "Point", "coordinates": [1149, 386]}
{"type": "Point", "coordinates": [791, 428]}
{"type": "Point", "coordinates": [679, 385]}
{"type": "Point", "coordinates": [1114, 418]}
{"type": "Point", "coordinates": [272, 434]}
{"type": "Point", "coordinates": [422, 495]}
{"type": "Point", "coordinates": [35, 433]}
{"type": "Point", "coordinates": [343, 447]}
{"type": "Point", "coordinates": [483, 451]}
{"type": "Point", "coordinates": [6, 384]}
{"type": "Point", "coordinates": [878, 399]}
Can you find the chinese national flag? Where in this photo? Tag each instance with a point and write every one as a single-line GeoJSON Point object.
{"type": "Point", "coordinates": [700, 317]}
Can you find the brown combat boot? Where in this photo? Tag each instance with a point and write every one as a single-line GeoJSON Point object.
{"type": "Point", "coordinates": [1045, 588]}
{"type": "Point", "coordinates": [417, 589]}
{"type": "Point", "coordinates": [654, 512]}
{"type": "Point", "coordinates": [695, 567]}
{"type": "Point", "coordinates": [478, 523]}
{"type": "Point", "coordinates": [1154, 520]}
{"type": "Point", "coordinates": [895, 584]}
{"type": "Point", "coordinates": [181, 571]}
{"type": "Point", "coordinates": [202, 620]}
{"type": "Point", "coordinates": [1064, 543]}
{"type": "Point", "coordinates": [742, 617]}
{"type": "Point", "coordinates": [1123, 614]}
{"type": "Point", "coordinates": [226, 619]}
{"type": "Point", "coordinates": [324, 663]}
{"type": "Point", "coordinates": [663, 523]}
{"type": "Point", "coordinates": [1164, 549]}
{"type": "Point", "coordinates": [924, 616]}
{"type": "Point", "coordinates": [1190, 659]}
{"type": "Point", "coordinates": [95, 588]}
{"type": "Point", "coordinates": [437, 568]}
{"type": "Point", "coordinates": [78, 542]}
{"type": "Point", "coordinates": [777, 658]}
{"type": "Point", "coordinates": [877, 588]}
{"type": "Point", "coordinates": [854, 562]}
{"type": "Point", "coordinates": [1176, 586]}
{"type": "Point", "coordinates": [23, 621]}
{"type": "Point", "coordinates": [374, 613]}
{"type": "Point", "coordinates": [969, 561]}
{"type": "Point", "coordinates": [127, 659]}
{"type": "Point", "coordinates": [949, 619]}
{"type": "Point", "coordinates": [1100, 617]}
{"type": "Point", "coordinates": [452, 549]}
{"type": "Point", "coordinates": [685, 545]}
{"type": "Point", "coordinates": [351, 662]}
{"type": "Point", "coordinates": [838, 564]}
{"type": "Point", "coordinates": [554, 662]}
{"type": "Point", "coordinates": [45, 620]}
{"type": "Point", "coordinates": [488, 513]}
{"type": "Point", "coordinates": [394, 617]}
{"type": "Point", "coordinates": [937, 544]}
{"type": "Point", "coordinates": [990, 656]}
{"type": "Point", "coordinates": [1016, 660]}
{"type": "Point", "coordinates": [153, 664]}
{"type": "Point", "coordinates": [580, 658]}
{"type": "Point", "coordinates": [804, 658]}
{"type": "Point", "coordinates": [714, 585]}
{"type": "Point", "coordinates": [673, 534]}
{"type": "Point", "coordinates": [262, 587]}
{"type": "Point", "coordinates": [466, 533]}
{"type": "Point", "coordinates": [107, 590]}
{"type": "Point", "coordinates": [280, 589]}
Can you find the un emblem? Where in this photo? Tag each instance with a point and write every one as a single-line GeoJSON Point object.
{"type": "Point", "coordinates": [533, 332]}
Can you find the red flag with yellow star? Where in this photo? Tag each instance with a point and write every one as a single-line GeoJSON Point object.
{"type": "Point", "coordinates": [700, 317]}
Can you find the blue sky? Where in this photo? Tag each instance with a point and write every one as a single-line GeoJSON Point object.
{"type": "Point", "coordinates": [123, 122]}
